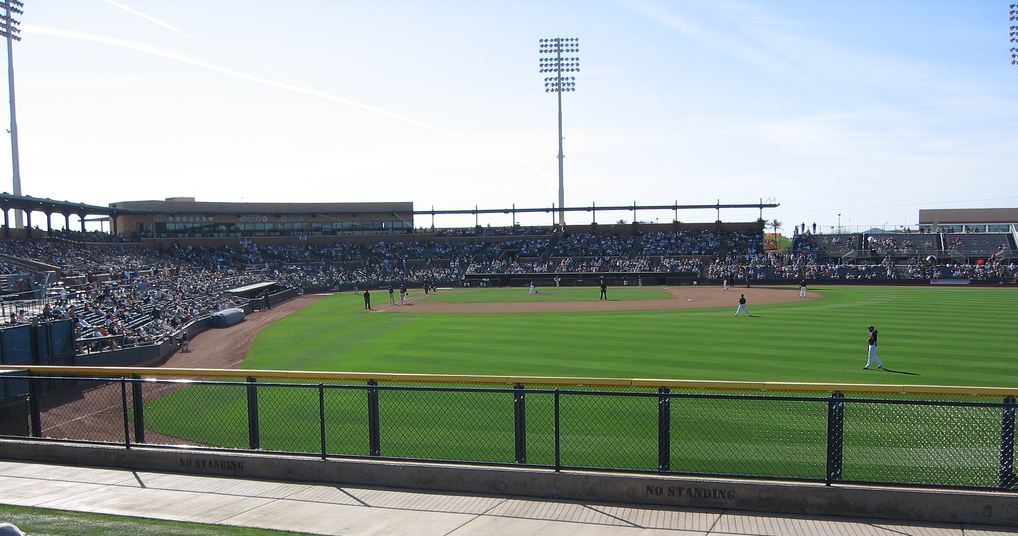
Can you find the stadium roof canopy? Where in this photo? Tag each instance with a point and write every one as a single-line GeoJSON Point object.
{"type": "Point", "coordinates": [967, 215]}
{"type": "Point", "coordinates": [39, 204]}
{"type": "Point", "coordinates": [187, 205]}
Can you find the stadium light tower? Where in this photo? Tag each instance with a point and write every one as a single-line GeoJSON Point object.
{"type": "Point", "coordinates": [553, 63]}
{"type": "Point", "coordinates": [9, 29]}
{"type": "Point", "coordinates": [1014, 34]}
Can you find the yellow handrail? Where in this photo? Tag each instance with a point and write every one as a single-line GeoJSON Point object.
{"type": "Point", "coordinates": [561, 381]}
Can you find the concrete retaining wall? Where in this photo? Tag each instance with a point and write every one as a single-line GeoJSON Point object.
{"type": "Point", "coordinates": [140, 356]}
{"type": "Point", "coordinates": [775, 497]}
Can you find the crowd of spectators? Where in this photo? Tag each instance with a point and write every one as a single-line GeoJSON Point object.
{"type": "Point", "coordinates": [680, 243]}
{"type": "Point", "coordinates": [127, 294]}
{"type": "Point", "coordinates": [593, 245]}
{"type": "Point", "coordinates": [132, 308]}
{"type": "Point", "coordinates": [487, 231]}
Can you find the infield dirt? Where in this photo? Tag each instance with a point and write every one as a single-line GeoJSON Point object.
{"type": "Point", "coordinates": [690, 297]}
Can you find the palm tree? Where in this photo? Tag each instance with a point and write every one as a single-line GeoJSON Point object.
{"type": "Point", "coordinates": [774, 225]}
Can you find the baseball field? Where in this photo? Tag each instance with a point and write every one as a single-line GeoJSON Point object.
{"type": "Point", "coordinates": [940, 336]}
{"type": "Point", "coordinates": [943, 336]}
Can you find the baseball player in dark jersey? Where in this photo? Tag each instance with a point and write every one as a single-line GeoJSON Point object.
{"type": "Point", "coordinates": [802, 289]}
{"type": "Point", "coordinates": [871, 355]}
{"type": "Point", "coordinates": [742, 306]}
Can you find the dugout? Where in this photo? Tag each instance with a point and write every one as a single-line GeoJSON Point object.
{"type": "Point", "coordinates": [255, 290]}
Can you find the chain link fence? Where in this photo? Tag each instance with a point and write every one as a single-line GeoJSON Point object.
{"type": "Point", "coordinates": [953, 441]}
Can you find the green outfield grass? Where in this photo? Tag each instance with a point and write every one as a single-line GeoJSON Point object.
{"type": "Point", "coordinates": [489, 295]}
{"type": "Point", "coordinates": [49, 522]}
{"type": "Point", "coordinates": [943, 336]}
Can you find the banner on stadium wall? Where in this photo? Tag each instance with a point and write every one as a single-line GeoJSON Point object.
{"type": "Point", "coordinates": [950, 281]}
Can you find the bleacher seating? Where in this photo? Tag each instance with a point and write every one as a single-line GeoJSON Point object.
{"type": "Point", "coordinates": [982, 245]}
{"type": "Point", "coordinates": [128, 294]}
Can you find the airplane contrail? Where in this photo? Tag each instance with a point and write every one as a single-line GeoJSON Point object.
{"type": "Point", "coordinates": [147, 17]}
{"type": "Point", "coordinates": [295, 87]}
{"type": "Point", "coordinates": [184, 58]}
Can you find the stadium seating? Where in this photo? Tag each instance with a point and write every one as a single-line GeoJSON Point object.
{"type": "Point", "coordinates": [124, 294]}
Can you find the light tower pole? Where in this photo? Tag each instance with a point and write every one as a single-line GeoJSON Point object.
{"type": "Point", "coordinates": [554, 63]}
{"type": "Point", "coordinates": [9, 29]}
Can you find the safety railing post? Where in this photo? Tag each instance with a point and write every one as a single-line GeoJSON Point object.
{"type": "Point", "coordinates": [558, 435]}
{"type": "Point", "coordinates": [35, 413]}
{"type": "Point", "coordinates": [664, 430]}
{"type": "Point", "coordinates": [321, 418]}
{"type": "Point", "coordinates": [138, 408]}
{"type": "Point", "coordinates": [253, 434]}
{"type": "Point", "coordinates": [520, 422]}
{"type": "Point", "coordinates": [374, 433]}
{"type": "Point", "coordinates": [1008, 478]}
{"type": "Point", "coordinates": [123, 407]}
{"type": "Point", "coordinates": [835, 436]}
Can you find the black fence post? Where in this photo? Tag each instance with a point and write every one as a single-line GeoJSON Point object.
{"type": "Point", "coordinates": [253, 435]}
{"type": "Point", "coordinates": [1008, 478]}
{"type": "Point", "coordinates": [138, 407]}
{"type": "Point", "coordinates": [321, 418]}
{"type": "Point", "coordinates": [520, 422]}
{"type": "Point", "coordinates": [374, 435]}
{"type": "Point", "coordinates": [123, 406]}
{"type": "Point", "coordinates": [664, 430]}
{"type": "Point", "coordinates": [33, 406]}
{"type": "Point", "coordinates": [558, 435]}
{"type": "Point", "coordinates": [835, 436]}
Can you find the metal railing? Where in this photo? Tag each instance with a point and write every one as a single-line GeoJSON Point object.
{"type": "Point", "coordinates": [954, 437]}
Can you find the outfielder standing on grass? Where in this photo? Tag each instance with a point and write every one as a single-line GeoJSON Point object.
{"type": "Point", "coordinates": [742, 306]}
{"type": "Point", "coordinates": [604, 290]}
{"type": "Point", "coordinates": [871, 355]}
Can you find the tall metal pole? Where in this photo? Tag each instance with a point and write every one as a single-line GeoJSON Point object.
{"type": "Point", "coordinates": [15, 162]}
{"type": "Point", "coordinates": [9, 29]}
{"type": "Point", "coordinates": [557, 64]}
{"type": "Point", "coordinates": [561, 161]}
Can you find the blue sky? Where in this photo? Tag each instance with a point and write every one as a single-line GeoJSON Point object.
{"type": "Point", "coordinates": [871, 110]}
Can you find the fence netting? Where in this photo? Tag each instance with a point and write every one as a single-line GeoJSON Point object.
{"type": "Point", "coordinates": [950, 441]}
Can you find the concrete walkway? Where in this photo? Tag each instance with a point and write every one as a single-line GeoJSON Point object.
{"type": "Point", "coordinates": [354, 511]}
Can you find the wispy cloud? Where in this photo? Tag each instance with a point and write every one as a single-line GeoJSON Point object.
{"type": "Point", "coordinates": [184, 58]}
{"type": "Point", "coordinates": [739, 48]}
{"type": "Point", "coordinates": [379, 114]}
{"type": "Point", "coordinates": [150, 18]}
{"type": "Point", "coordinates": [795, 51]}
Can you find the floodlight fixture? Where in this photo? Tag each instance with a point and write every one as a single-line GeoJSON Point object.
{"type": "Point", "coordinates": [1014, 34]}
{"type": "Point", "coordinates": [559, 55]}
{"type": "Point", "coordinates": [9, 28]}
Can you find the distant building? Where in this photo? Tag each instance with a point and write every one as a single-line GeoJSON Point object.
{"type": "Point", "coordinates": [969, 220]}
{"type": "Point", "coordinates": [183, 217]}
